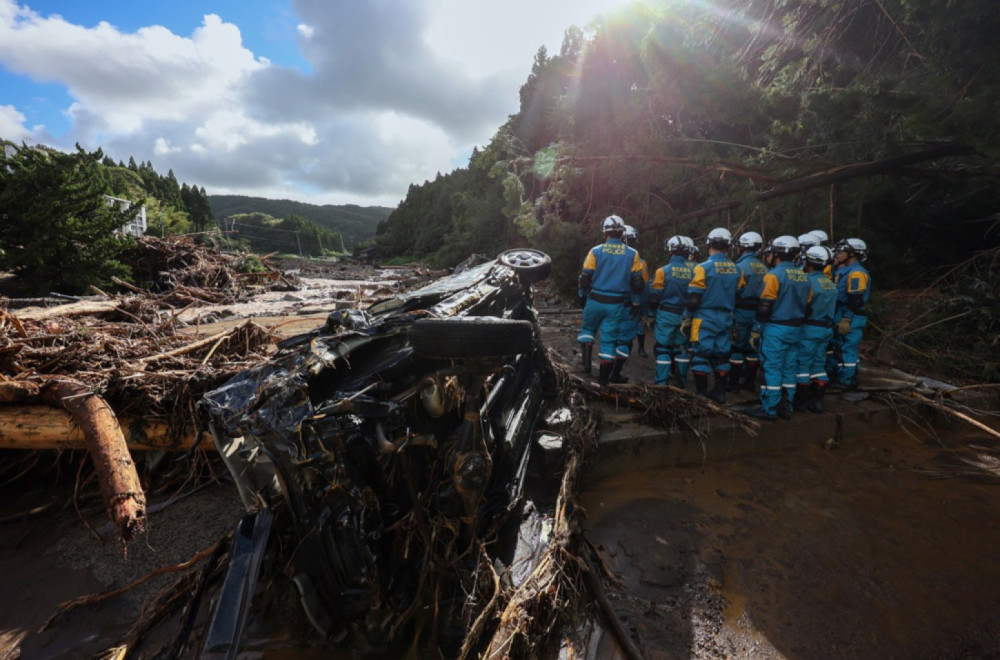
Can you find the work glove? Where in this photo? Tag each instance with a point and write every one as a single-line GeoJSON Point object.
{"type": "Point", "coordinates": [844, 326]}
{"type": "Point", "coordinates": [755, 340]}
{"type": "Point", "coordinates": [583, 301]}
{"type": "Point", "coordinates": [686, 327]}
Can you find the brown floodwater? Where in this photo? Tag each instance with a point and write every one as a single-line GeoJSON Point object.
{"type": "Point", "coordinates": [886, 547]}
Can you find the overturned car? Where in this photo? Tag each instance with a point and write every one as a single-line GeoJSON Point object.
{"type": "Point", "coordinates": [387, 448]}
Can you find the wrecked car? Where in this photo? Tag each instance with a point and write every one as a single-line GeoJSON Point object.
{"type": "Point", "coordinates": [386, 448]}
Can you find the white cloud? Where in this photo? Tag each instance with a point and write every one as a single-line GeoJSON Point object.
{"type": "Point", "coordinates": [12, 124]}
{"type": "Point", "coordinates": [396, 91]}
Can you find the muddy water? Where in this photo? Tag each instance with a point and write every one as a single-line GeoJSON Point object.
{"type": "Point", "coordinates": [884, 547]}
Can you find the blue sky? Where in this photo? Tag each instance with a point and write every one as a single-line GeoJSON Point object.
{"type": "Point", "coordinates": [342, 101]}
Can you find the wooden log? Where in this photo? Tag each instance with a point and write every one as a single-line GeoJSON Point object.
{"type": "Point", "coordinates": [81, 308]}
{"type": "Point", "coordinates": [32, 427]}
{"type": "Point", "coordinates": [124, 498]}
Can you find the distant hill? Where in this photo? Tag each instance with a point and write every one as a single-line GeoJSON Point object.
{"type": "Point", "coordinates": [355, 223]}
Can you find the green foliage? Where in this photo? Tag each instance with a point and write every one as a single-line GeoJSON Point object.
{"type": "Point", "coordinates": [58, 230]}
{"type": "Point", "coordinates": [355, 224]}
{"type": "Point", "coordinates": [250, 263]}
{"type": "Point", "coordinates": [264, 234]}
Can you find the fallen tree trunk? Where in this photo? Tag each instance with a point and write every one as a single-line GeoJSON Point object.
{"type": "Point", "coordinates": [121, 490]}
{"type": "Point", "coordinates": [44, 427]}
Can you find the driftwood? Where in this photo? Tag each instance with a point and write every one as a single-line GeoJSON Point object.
{"type": "Point", "coordinates": [123, 495]}
{"type": "Point", "coordinates": [35, 427]}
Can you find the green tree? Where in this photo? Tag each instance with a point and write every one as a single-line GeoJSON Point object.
{"type": "Point", "coordinates": [58, 230]}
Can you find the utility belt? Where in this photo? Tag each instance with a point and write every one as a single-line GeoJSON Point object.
{"type": "Point", "coordinates": [794, 323]}
{"type": "Point", "coordinates": [821, 324]}
{"type": "Point", "coordinates": [606, 298]}
{"type": "Point", "coordinates": [747, 304]}
{"type": "Point", "coordinates": [673, 309]}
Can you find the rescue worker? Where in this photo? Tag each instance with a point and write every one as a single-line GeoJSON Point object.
{"type": "Point", "coordinates": [780, 315]}
{"type": "Point", "coordinates": [744, 361]}
{"type": "Point", "coordinates": [711, 298]}
{"type": "Point", "coordinates": [824, 238]}
{"type": "Point", "coordinates": [806, 241]}
{"type": "Point", "coordinates": [694, 253]}
{"type": "Point", "coordinates": [817, 331]}
{"type": "Point", "coordinates": [611, 276]}
{"type": "Point", "coordinates": [632, 317]}
{"type": "Point", "coordinates": [667, 297]}
{"type": "Point", "coordinates": [853, 288]}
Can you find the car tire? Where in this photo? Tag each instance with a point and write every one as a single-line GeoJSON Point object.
{"type": "Point", "coordinates": [470, 337]}
{"type": "Point", "coordinates": [530, 265]}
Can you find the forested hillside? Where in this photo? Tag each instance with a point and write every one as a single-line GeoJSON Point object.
{"type": "Point", "coordinates": [356, 224]}
{"type": "Point", "coordinates": [870, 119]}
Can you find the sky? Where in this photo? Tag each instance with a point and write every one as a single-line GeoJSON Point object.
{"type": "Point", "coordinates": [320, 101]}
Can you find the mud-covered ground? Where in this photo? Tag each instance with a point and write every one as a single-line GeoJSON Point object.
{"type": "Point", "coordinates": [884, 547]}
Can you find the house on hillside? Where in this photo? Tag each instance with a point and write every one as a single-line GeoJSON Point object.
{"type": "Point", "coordinates": [138, 225]}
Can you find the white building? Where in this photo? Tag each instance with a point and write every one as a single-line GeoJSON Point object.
{"type": "Point", "coordinates": [138, 225]}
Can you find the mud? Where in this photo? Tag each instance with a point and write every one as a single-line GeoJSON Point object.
{"type": "Point", "coordinates": [884, 548]}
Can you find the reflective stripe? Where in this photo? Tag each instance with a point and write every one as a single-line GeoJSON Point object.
{"type": "Point", "coordinates": [821, 374]}
{"type": "Point", "coordinates": [735, 361]}
{"type": "Point", "coordinates": [684, 360]}
{"type": "Point", "coordinates": [606, 356]}
{"type": "Point", "coordinates": [585, 339]}
{"type": "Point", "coordinates": [786, 385]}
{"type": "Point", "coordinates": [773, 387]}
{"type": "Point", "coordinates": [850, 364]}
{"type": "Point", "coordinates": [802, 375]}
{"type": "Point", "coordinates": [621, 353]}
{"type": "Point", "coordinates": [753, 359]}
{"type": "Point", "coordinates": [663, 362]}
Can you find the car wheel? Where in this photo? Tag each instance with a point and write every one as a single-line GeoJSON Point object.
{"type": "Point", "coordinates": [470, 337]}
{"type": "Point", "coordinates": [530, 265]}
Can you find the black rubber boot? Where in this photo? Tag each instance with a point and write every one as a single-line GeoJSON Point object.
{"type": "Point", "coordinates": [587, 353]}
{"type": "Point", "coordinates": [784, 407]}
{"type": "Point", "coordinates": [701, 384]}
{"type": "Point", "coordinates": [616, 371]}
{"type": "Point", "coordinates": [816, 400]}
{"type": "Point", "coordinates": [604, 375]}
{"type": "Point", "coordinates": [718, 393]}
{"type": "Point", "coordinates": [762, 414]}
{"type": "Point", "coordinates": [735, 372]}
{"type": "Point", "coordinates": [803, 395]}
{"type": "Point", "coordinates": [642, 345]}
{"type": "Point", "coordinates": [750, 376]}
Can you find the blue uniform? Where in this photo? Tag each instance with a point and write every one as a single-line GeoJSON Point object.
{"type": "Point", "coordinates": [632, 325]}
{"type": "Point", "coordinates": [817, 331]}
{"type": "Point", "coordinates": [717, 280]}
{"type": "Point", "coordinates": [753, 271]}
{"type": "Point", "coordinates": [790, 291]}
{"type": "Point", "coordinates": [853, 289]}
{"type": "Point", "coordinates": [667, 294]}
{"type": "Point", "coordinates": [611, 274]}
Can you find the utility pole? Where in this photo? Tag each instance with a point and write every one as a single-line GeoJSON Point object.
{"type": "Point", "coordinates": [299, 242]}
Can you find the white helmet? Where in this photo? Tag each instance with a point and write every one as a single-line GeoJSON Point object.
{"type": "Point", "coordinates": [676, 245]}
{"type": "Point", "coordinates": [688, 241]}
{"type": "Point", "coordinates": [809, 239]}
{"type": "Point", "coordinates": [824, 238]}
{"type": "Point", "coordinates": [786, 247]}
{"type": "Point", "coordinates": [613, 224]}
{"type": "Point", "coordinates": [853, 246]}
{"type": "Point", "coordinates": [719, 238]}
{"type": "Point", "coordinates": [751, 240]}
{"type": "Point", "coordinates": [819, 256]}
{"type": "Point", "coordinates": [694, 252]}
{"type": "Point", "coordinates": [631, 235]}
